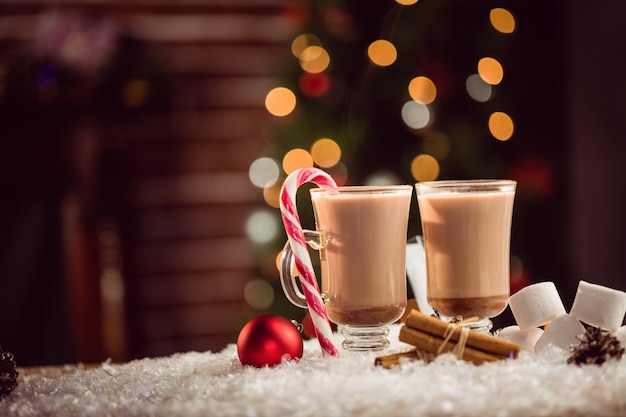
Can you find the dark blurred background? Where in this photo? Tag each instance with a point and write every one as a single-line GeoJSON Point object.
{"type": "Point", "coordinates": [134, 133]}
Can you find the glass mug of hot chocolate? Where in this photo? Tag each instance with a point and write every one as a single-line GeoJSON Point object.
{"type": "Point", "coordinates": [466, 225]}
{"type": "Point", "coordinates": [361, 237]}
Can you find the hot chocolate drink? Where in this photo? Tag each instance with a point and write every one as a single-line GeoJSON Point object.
{"type": "Point", "coordinates": [467, 243]}
{"type": "Point", "coordinates": [363, 261]}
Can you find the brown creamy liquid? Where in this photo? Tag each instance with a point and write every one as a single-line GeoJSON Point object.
{"type": "Point", "coordinates": [467, 242]}
{"type": "Point", "coordinates": [374, 316]}
{"type": "Point", "coordinates": [363, 264]}
{"type": "Point", "coordinates": [470, 307]}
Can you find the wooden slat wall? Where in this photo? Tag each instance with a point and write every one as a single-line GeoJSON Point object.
{"type": "Point", "coordinates": [185, 252]}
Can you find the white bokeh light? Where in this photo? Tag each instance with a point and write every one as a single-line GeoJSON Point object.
{"type": "Point", "coordinates": [383, 177]}
{"type": "Point", "coordinates": [416, 115]}
{"type": "Point", "coordinates": [262, 226]}
{"type": "Point", "coordinates": [478, 89]}
{"type": "Point", "coordinates": [263, 172]}
{"type": "Point", "coordinates": [259, 294]}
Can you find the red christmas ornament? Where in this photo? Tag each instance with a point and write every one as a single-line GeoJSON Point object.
{"type": "Point", "coordinates": [308, 329]}
{"type": "Point", "coordinates": [266, 340]}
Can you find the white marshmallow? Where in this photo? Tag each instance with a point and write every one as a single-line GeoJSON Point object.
{"type": "Point", "coordinates": [562, 332]}
{"type": "Point", "coordinates": [536, 305]}
{"type": "Point", "coordinates": [599, 306]}
{"type": "Point", "coordinates": [525, 338]}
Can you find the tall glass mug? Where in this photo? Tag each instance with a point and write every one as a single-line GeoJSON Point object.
{"type": "Point", "coordinates": [467, 233]}
{"type": "Point", "coordinates": [361, 238]}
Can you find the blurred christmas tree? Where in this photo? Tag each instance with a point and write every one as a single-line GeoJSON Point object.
{"type": "Point", "coordinates": [403, 91]}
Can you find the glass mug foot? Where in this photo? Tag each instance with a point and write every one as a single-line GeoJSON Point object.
{"type": "Point", "coordinates": [479, 324]}
{"type": "Point", "coordinates": [365, 338]}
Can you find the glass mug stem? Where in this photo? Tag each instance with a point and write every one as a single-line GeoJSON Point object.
{"type": "Point", "coordinates": [365, 338]}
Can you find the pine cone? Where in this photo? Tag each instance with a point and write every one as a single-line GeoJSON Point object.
{"type": "Point", "coordinates": [8, 373]}
{"type": "Point", "coordinates": [596, 346]}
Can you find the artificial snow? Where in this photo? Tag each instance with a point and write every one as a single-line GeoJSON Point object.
{"type": "Point", "coordinates": [216, 384]}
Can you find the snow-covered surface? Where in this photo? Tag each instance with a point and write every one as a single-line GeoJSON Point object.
{"type": "Point", "coordinates": [216, 384]}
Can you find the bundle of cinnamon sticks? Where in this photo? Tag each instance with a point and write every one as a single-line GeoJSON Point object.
{"type": "Point", "coordinates": [432, 336]}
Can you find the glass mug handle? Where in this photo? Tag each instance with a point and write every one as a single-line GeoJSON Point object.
{"type": "Point", "coordinates": [316, 240]}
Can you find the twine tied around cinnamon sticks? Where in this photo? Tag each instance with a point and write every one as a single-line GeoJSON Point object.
{"type": "Point", "coordinates": [432, 336]}
{"type": "Point", "coordinates": [459, 347]}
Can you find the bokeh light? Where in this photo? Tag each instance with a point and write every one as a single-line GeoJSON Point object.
{"type": "Point", "coordinates": [339, 173]}
{"type": "Point", "coordinates": [259, 294]}
{"type": "Point", "coordinates": [325, 152]}
{"type": "Point", "coordinates": [501, 126]}
{"type": "Point", "coordinates": [437, 144]}
{"type": "Point", "coordinates": [416, 115]}
{"type": "Point", "coordinates": [262, 226]}
{"type": "Point", "coordinates": [297, 158]}
{"type": "Point", "coordinates": [46, 75]}
{"type": "Point", "coordinates": [271, 195]}
{"type": "Point", "coordinates": [314, 85]}
{"type": "Point", "coordinates": [502, 20]}
{"type": "Point", "coordinates": [314, 59]}
{"type": "Point", "coordinates": [294, 268]}
{"type": "Point", "coordinates": [263, 171]}
{"type": "Point", "coordinates": [382, 53]}
{"type": "Point", "coordinates": [278, 258]}
{"type": "Point", "coordinates": [422, 90]}
{"type": "Point", "coordinates": [478, 89]}
{"type": "Point", "coordinates": [490, 70]}
{"type": "Point", "coordinates": [425, 168]}
{"type": "Point", "coordinates": [406, 2]}
{"type": "Point", "coordinates": [517, 268]}
{"type": "Point", "coordinates": [301, 42]}
{"type": "Point", "coordinates": [382, 177]}
{"type": "Point", "coordinates": [135, 93]}
{"type": "Point", "coordinates": [47, 83]}
{"type": "Point", "coordinates": [280, 101]}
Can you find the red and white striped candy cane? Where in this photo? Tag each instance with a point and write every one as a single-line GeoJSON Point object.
{"type": "Point", "coordinates": [291, 220]}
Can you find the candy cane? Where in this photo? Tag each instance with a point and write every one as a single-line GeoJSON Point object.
{"type": "Point", "coordinates": [291, 220]}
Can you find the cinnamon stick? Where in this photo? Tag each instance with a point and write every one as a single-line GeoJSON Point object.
{"type": "Point", "coordinates": [479, 341]}
{"type": "Point", "coordinates": [390, 360]}
{"type": "Point", "coordinates": [430, 343]}
{"type": "Point", "coordinates": [411, 304]}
